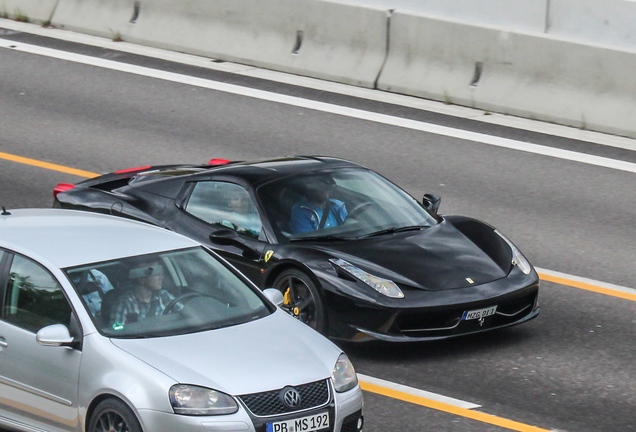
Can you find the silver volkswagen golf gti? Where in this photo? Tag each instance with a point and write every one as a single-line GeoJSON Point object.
{"type": "Point", "coordinates": [112, 325]}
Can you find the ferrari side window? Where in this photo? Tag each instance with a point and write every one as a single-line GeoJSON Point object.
{"type": "Point", "coordinates": [34, 299]}
{"type": "Point", "coordinates": [225, 205]}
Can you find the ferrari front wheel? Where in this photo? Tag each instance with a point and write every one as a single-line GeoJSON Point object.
{"type": "Point", "coordinates": [302, 299]}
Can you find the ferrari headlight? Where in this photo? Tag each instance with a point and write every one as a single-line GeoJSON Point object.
{"type": "Point", "coordinates": [383, 286]}
{"type": "Point", "coordinates": [194, 400]}
{"type": "Point", "coordinates": [517, 257]}
{"type": "Point", "coordinates": [344, 375]}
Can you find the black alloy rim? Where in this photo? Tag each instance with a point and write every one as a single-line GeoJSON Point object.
{"type": "Point", "coordinates": [299, 300]}
{"type": "Point", "coordinates": [111, 421]}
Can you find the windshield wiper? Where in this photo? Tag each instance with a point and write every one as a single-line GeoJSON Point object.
{"type": "Point", "coordinates": [394, 230]}
{"type": "Point", "coordinates": [321, 238]}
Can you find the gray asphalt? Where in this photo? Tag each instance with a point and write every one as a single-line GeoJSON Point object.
{"type": "Point", "coordinates": [571, 369]}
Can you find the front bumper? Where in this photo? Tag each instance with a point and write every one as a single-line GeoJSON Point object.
{"type": "Point", "coordinates": [344, 411]}
{"type": "Point", "coordinates": [431, 315]}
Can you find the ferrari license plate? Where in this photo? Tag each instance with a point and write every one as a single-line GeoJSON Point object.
{"type": "Point", "coordinates": [304, 424]}
{"type": "Point", "coordinates": [479, 313]}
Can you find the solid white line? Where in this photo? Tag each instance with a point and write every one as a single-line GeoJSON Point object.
{"type": "Point", "coordinates": [417, 392]}
{"type": "Point", "coordinates": [325, 107]}
{"type": "Point", "coordinates": [593, 282]}
{"type": "Point", "coordinates": [350, 112]}
{"type": "Point", "coordinates": [345, 89]}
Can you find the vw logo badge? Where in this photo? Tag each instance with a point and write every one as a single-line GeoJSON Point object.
{"type": "Point", "coordinates": [290, 397]}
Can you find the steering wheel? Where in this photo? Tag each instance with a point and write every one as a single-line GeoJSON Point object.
{"type": "Point", "coordinates": [179, 299]}
{"type": "Point", "coordinates": [360, 208]}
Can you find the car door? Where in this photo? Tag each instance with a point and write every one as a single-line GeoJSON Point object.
{"type": "Point", "coordinates": [225, 209]}
{"type": "Point", "coordinates": [38, 384]}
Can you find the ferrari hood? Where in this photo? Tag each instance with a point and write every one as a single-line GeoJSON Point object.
{"type": "Point", "coordinates": [266, 354]}
{"type": "Point", "coordinates": [435, 258]}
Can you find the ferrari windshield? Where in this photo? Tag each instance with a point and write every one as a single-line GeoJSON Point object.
{"type": "Point", "coordinates": [165, 293]}
{"type": "Point", "coordinates": [341, 204]}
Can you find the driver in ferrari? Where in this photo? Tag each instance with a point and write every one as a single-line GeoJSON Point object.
{"type": "Point", "coordinates": [316, 210]}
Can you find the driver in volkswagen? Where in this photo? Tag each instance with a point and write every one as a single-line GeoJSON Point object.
{"type": "Point", "coordinates": [147, 297]}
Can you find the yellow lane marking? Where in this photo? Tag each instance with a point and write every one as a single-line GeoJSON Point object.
{"type": "Point", "coordinates": [395, 394]}
{"type": "Point", "coordinates": [440, 406]}
{"type": "Point", "coordinates": [546, 277]}
{"type": "Point", "coordinates": [389, 385]}
{"type": "Point", "coordinates": [47, 165]}
{"type": "Point", "coordinates": [588, 286]}
{"type": "Point", "coordinates": [619, 292]}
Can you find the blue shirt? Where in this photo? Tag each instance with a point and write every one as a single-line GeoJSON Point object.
{"type": "Point", "coordinates": [305, 216]}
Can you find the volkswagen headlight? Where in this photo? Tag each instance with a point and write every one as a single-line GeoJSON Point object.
{"type": "Point", "coordinates": [344, 375]}
{"type": "Point", "coordinates": [194, 400]}
{"type": "Point", "coordinates": [383, 286]}
{"type": "Point", "coordinates": [517, 257]}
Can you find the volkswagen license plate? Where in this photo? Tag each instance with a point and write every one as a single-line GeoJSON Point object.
{"type": "Point", "coordinates": [304, 424]}
{"type": "Point", "coordinates": [479, 313]}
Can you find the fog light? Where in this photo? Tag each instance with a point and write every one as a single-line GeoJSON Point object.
{"type": "Point", "coordinates": [360, 424]}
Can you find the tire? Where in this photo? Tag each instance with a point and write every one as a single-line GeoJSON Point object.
{"type": "Point", "coordinates": [112, 415]}
{"type": "Point", "coordinates": [302, 299]}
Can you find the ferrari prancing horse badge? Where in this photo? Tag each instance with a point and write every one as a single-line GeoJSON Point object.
{"type": "Point", "coordinates": [268, 255]}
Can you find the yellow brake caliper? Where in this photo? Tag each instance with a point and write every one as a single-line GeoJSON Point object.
{"type": "Point", "coordinates": [288, 301]}
{"type": "Point", "coordinates": [287, 296]}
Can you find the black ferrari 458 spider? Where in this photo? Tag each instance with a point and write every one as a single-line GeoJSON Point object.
{"type": "Point", "coordinates": [355, 256]}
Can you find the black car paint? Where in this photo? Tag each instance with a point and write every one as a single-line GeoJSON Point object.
{"type": "Point", "coordinates": [458, 264]}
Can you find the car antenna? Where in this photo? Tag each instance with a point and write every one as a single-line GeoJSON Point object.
{"type": "Point", "coordinates": [5, 212]}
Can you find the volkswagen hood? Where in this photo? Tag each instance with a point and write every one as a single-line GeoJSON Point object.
{"type": "Point", "coordinates": [267, 354]}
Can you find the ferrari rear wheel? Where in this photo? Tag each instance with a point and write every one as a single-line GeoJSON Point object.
{"type": "Point", "coordinates": [302, 299]}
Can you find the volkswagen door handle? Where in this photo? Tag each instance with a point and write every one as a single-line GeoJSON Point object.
{"type": "Point", "coordinates": [3, 343]}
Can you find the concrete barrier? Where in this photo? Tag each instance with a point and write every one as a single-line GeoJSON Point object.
{"type": "Point", "coordinates": [106, 18]}
{"type": "Point", "coordinates": [530, 75]}
{"type": "Point", "coordinates": [596, 22]}
{"type": "Point", "coordinates": [527, 15]}
{"type": "Point", "coordinates": [317, 38]}
{"type": "Point", "coordinates": [493, 55]}
{"type": "Point", "coordinates": [38, 11]}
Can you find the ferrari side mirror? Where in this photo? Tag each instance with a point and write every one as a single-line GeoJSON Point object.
{"type": "Point", "coordinates": [228, 237]}
{"type": "Point", "coordinates": [432, 202]}
{"type": "Point", "coordinates": [225, 237]}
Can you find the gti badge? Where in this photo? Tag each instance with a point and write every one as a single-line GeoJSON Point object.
{"type": "Point", "coordinates": [290, 397]}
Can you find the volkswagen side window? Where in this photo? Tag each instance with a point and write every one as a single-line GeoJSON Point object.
{"type": "Point", "coordinates": [33, 298]}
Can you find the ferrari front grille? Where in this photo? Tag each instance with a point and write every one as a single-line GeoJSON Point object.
{"type": "Point", "coordinates": [449, 321]}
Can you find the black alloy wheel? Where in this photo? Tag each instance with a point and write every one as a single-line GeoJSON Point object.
{"type": "Point", "coordinates": [112, 415]}
{"type": "Point", "coordinates": [302, 299]}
